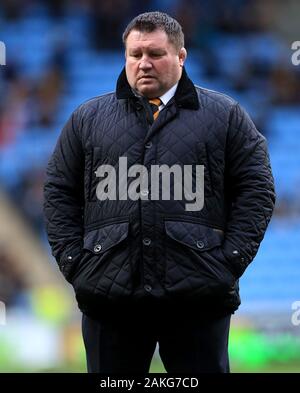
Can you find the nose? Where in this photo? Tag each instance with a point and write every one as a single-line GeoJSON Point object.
{"type": "Point", "coordinates": [145, 64]}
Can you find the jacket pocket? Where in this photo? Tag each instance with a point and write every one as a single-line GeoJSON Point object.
{"type": "Point", "coordinates": [106, 248]}
{"type": "Point", "coordinates": [69, 259]}
{"type": "Point", "coordinates": [192, 259]}
{"type": "Point", "coordinates": [196, 236]}
{"type": "Point", "coordinates": [100, 240]}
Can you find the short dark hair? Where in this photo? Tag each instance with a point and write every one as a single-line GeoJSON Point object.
{"type": "Point", "coordinates": [151, 21]}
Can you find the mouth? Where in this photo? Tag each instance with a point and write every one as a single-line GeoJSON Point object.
{"type": "Point", "coordinates": [146, 77]}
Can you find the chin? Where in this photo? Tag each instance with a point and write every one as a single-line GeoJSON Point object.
{"type": "Point", "coordinates": [149, 93]}
{"type": "Point", "coordinates": [148, 90]}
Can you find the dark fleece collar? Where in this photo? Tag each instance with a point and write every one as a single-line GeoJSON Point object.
{"type": "Point", "coordinates": [185, 95]}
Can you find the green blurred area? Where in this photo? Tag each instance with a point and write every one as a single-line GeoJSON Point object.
{"type": "Point", "coordinates": [250, 351]}
{"type": "Point", "coordinates": [288, 367]}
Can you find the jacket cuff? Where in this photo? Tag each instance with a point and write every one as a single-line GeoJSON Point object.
{"type": "Point", "coordinates": [69, 258]}
{"type": "Point", "coordinates": [235, 259]}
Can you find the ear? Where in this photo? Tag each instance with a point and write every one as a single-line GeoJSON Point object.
{"type": "Point", "coordinates": [182, 56]}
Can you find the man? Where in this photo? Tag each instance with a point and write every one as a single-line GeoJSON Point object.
{"type": "Point", "coordinates": [157, 270]}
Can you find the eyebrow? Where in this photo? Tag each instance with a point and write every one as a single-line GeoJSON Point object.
{"type": "Point", "coordinates": [151, 49]}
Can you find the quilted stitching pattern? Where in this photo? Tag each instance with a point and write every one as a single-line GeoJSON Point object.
{"type": "Point", "coordinates": [193, 235]}
{"type": "Point", "coordinates": [100, 240]}
{"type": "Point", "coordinates": [239, 200]}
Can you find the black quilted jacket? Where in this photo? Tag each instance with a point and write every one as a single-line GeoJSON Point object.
{"type": "Point", "coordinates": [124, 251]}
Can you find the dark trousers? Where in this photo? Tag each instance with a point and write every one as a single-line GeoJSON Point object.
{"type": "Point", "coordinates": [188, 344]}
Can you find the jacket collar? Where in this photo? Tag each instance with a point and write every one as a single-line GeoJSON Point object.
{"type": "Point", "coordinates": [185, 96]}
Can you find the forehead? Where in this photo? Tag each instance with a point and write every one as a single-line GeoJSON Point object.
{"type": "Point", "coordinates": [155, 39]}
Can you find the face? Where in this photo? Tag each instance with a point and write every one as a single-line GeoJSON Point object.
{"type": "Point", "coordinates": [153, 65]}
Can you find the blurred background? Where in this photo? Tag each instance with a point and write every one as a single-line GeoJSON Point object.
{"type": "Point", "coordinates": [60, 53]}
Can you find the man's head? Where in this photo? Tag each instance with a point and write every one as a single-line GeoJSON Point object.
{"type": "Point", "coordinates": [155, 53]}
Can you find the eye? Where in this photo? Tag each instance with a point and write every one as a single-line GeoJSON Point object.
{"type": "Point", "coordinates": [155, 55]}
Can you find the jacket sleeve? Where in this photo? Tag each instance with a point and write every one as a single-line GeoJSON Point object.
{"type": "Point", "coordinates": [249, 189]}
{"type": "Point", "coordinates": [64, 196]}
